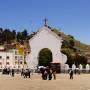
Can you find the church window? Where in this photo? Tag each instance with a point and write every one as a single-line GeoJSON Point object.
{"type": "Point", "coordinates": [20, 57]}
{"type": "Point", "coordinates": [21, 62]}
{"type": "Point", "coordinates": [16, 52]}
{"type": "Point", "coordinates": [7, 63]}
{"type": "Point", "coordinates": [16, 57]}
{"type": "Point", "coordinates": [0, 57]}
{"type": "Point", "coordinates": [0, 63]}
{"type": "Point", "coordinates": [7, 57]}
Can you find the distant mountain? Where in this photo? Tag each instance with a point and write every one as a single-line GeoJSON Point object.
{"type": "Point", "coordinates": [69, 42]}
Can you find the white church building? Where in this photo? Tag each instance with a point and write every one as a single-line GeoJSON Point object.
{"type": "Point", "coordinates": [45, 38]}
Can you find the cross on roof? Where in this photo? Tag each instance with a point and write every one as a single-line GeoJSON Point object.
{"type": "Point", "coordinates": [45, 22]}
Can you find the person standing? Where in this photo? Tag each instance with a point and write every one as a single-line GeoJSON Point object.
{"type": "Point", "coordinates": [45, 74]}
{"type": "Point", "coordinates": [29, 72]}
{"type": "Point", "coordinates": [12, 72]}
{"type": "Point", "coordinates": [22, 72]}
{"type": "Point", "coordinates": [54, 74]}
{"type": "Point", "coordinates": [71, 74]}
{"type": "Point", "coordinates": [50, 74]}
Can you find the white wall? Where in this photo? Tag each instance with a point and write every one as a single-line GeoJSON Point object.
{"type": "Point", "coordinates": [4, 60]}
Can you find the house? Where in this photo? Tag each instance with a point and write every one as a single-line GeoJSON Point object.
{"type": "Point", "coordinates": [11, 59]}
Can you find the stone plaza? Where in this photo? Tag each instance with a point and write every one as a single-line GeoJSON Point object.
{"type": "Point", "coordinates": [80, 82]}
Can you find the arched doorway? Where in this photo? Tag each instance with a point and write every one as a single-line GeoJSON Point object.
{"type": "Point", "coordinates": [45, 57]}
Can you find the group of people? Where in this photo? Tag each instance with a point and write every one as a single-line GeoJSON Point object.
{"type": "Point", "coordinates": [8, 71]}
{"type": "Point", "coordinates": [25, 72]}
{"type": "Point", "coordinates": [48, 73]}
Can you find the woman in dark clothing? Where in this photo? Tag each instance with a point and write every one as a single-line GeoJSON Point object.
{"type": "Point", "coordinates": [50, 74]}
{"type": "Point", "coordinates": [71, 74]}
{"type": "Point", "coordinates": [12, 72]}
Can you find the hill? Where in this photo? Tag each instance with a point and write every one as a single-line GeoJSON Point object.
{"type": "Point", "coordinates": [76, 51]}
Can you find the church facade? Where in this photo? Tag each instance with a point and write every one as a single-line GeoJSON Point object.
{"type": "Point", "coordinates": [45, 38]}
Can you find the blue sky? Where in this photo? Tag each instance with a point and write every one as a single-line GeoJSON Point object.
{"type": "Point", "coordinates": [70, 16]}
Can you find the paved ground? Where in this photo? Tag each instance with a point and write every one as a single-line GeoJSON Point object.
{"type": "Point", "coordinates": [80, 82]}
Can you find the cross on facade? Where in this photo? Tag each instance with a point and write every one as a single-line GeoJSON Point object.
{"type": "Point", "coordinates": [45, 22]}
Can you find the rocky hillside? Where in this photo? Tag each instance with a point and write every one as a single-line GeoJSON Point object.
{"type": "Point", "coordinates": [73, 48]}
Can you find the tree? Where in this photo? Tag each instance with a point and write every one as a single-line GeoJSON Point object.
{"type": "Point", "coordinates": [14, 34]}
{"type": "Point", "coordinates": [80, 59]}
{"type": "Point", "coordinates": [45, 57]}
{"type": "Point", "coordinates": [70, 58]}
{"type": "Point", "coordinates": [65, 44]}
{"type": "Point", "coordinates": [70, 36]}
{"type": "Point", "coordinates": [19, 36]}
{"type": "Point", "coordinates": [71, 43]}
{"type": "Point", "coordinates": [24, 34]}
{"type": "Point", "coordinates": [1, 31]}
{"type": "Point", "coordinates": [7, 35]}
